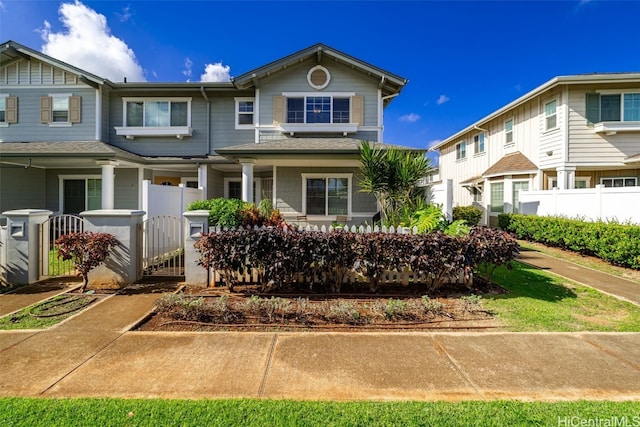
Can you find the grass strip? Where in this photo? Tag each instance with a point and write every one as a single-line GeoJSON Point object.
{"type": "Point", "coordinates": [541, 301]}
{"type": "Point", "coordinates": [250, 412]}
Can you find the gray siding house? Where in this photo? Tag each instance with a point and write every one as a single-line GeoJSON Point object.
{"type": "Point", "coordinates": [288, 131]}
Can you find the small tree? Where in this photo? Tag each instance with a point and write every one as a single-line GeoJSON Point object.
{"type": "Point", "coordinates": [87, 250]}
{"type": "Point", "coordinates": [391, 175]}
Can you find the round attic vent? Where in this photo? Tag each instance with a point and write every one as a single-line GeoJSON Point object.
{"type": "Point", "coordinates": [318, 77]}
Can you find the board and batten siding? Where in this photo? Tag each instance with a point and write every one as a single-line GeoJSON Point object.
{"type": "Point", "coordinates": [34, 72]}
{"type": "Point", "coordinates": [590, 148]}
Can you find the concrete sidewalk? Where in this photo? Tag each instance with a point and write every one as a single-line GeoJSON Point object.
{"type": "Point", "coordinates": [94, 355]}
{"type": "Point", "coordinates": [607, 283]}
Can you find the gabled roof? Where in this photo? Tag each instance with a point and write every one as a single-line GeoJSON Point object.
{"type": "Point", "coordinates": [594, 78]}
{"type": "Point", "coordinates": [511, 164]}
{"type": "Point", "coordinates": [389, 83]}
{"type": "Point", "coordinates": [11, 52]}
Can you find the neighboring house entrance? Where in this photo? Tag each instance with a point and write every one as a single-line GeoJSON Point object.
{"type": "Point", "coordinates": [167, 180]}
{"type": "Point", "coordinates": [163, 246]}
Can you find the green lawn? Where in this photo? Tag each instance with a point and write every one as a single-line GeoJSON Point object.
{"type": "Point", "coordinates": [249, 412]}
{"type": "Point", "coordinates": [541, 301]}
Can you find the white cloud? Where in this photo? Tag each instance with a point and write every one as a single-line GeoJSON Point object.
{"type": "Point", "coordinates": [442, 99]}
{"type": "Point", "coordinates": [216, 73]}
{"type": "Point", "coordinates": [188, 64]}
{"type": "Point", "coordinates": [125, 15]}
{"type": "Point", "coordinates": [86, 43]}
{"type": "Point", "coordinates": [410, 118]}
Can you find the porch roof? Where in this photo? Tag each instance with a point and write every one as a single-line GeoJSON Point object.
{"type": "Point", "coordinates": [632, 159]}
{"type": "Point", "coordinates": [75, 153]}
{"type": "Point", "coordinates": [304, 146]}
{"type": "Point", "coordinates": [513, 163]}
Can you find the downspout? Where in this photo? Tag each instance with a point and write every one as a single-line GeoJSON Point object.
{"type": "Point", "coordinates": [206, 98]}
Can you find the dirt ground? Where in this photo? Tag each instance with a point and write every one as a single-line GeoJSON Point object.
{"type": "Point", "coordinates": [453, 309]}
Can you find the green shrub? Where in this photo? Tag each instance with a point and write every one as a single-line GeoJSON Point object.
{"type": "Point", "coordinates": [471, 214]}
{"type": "Point", "coordinates": [222, 212]}
{"type": "Point", "coordinates": [616, 243]}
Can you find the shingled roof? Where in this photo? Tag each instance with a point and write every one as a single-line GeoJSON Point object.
{"type": "Point", "coordinates": [304, 146]}
{"type": "Point", "coordinates": [513, 163]}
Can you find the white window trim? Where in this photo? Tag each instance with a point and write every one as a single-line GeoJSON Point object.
{"type": "Point", "coordinates": [130, 132]}
{"type": "Point", "coordinates": [489, 211]}
{"type": "Point", "coordinates": [475, 151]}
{"type": "Point", "coordinates": [345, 128]}
{"type": "Point", "coordinates": [322, 86]}
{"type": "Point", "coordinates": [544, 112]}
{"type": "Point", "coordinates": [513, 192]}
{"type": "Point", "coordinates": [306, 176]}
{"type": "Point", "coordinates": [62, 178]}
{"type": "Point", "coordinates": [613, 127]}
{"type": "Point", "coordinates": [53, 124]}
{"type": "Point", "coordinates": [459, 144]}
{"type": "Point", "coordinates": [238, 126]}
{"type": "Point", "coordinates": [4, 124]}
{"type": "Point", "coordinates": [635, 179]}
{"type": "Point", "coordinates": [513, 136]}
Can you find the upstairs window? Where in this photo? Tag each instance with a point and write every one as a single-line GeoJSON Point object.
{"type": "Point", "coordinates": [318, 109]}
{"type": "Point", "coordinates": [478, 143]}
{"type": "Point", "coordinates": [461, 150]}
{"type": "Point", "coordinates": [619, 107]}
{"type": "Point", "coordinates": [550, 115]}
{"type": "Point", "coordinates": [60, 109]}
{"type": "Point", "coordinates": [244, 113]}
{"type": "Point", "coordinates": [508, 132]}
{"type": "Point", "coordinates": [8, 109]}
{"type": "Point", "coordinates": [165, 113]}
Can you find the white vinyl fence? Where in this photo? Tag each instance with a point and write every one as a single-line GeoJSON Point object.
{"type": "Point", "coordinates": [620, 204]}
{"type": "Point", "coordinates": [3, 255]}
{"type": "Point", "coordinates": [442, 194]}
{"type": "Point", "coordinates": [158, 200]}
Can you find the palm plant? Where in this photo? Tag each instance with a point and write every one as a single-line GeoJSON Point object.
{"type": "Point", "coordinates": [391, 175]}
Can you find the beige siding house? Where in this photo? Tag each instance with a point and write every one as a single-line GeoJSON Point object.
{"type": "Point", "coordinates": [572, 132]}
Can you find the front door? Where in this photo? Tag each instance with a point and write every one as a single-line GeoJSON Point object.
{"type": "Point", "coordinates": [74, 196]}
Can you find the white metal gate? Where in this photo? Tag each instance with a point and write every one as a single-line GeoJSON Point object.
{"type": "Point", "coordinates": [163, 246]}
{"type": "Point", "coordinates": [48, 232]}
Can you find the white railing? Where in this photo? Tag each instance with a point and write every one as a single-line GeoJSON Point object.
{"type": "Point", "coordinates": [3, 255]}
{"type": "Point", "coordinates": [620, 204]}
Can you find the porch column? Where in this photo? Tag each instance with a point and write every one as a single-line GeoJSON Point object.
{"type": "Point", "coordinates": [566, 177]}
{"type": "Point", "coordinates": [203, 179]}
{"type": "Point", "coordinates": [108, 182]}
{"type": "Point", "coordinates": [247, 179]}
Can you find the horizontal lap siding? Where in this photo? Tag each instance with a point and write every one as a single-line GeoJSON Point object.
{"type": "Point", "coordinates": [588, 147]}
{"type": "Point", "coordinates": [21, 188]}
{"type": "Point", "coordinates": [343, 79]}
{"type": "Point", "coordinates": [223, 132]}
{"type": "Point", "coordinates": [195, 145]}
{"type": "Point", "coordinates": [29, 128]}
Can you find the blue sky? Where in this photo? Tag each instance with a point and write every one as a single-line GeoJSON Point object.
{"type": "Point", "coordinates": [463, 60]}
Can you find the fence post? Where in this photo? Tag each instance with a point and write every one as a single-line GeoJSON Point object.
{"type": "Point", "coordinates": [196, 223]}
{"type": "Point", "coordinates": [23, 248]}
{"type": "Point", "coordinates": [124, 266]}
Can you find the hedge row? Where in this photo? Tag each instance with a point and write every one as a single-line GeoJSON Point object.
{"type": "Point", "coordinates": [281, 255]}
{"type": "Point", "coordinates": [616, 243]}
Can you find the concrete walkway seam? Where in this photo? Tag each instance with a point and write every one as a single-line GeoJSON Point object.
{"type": "Point", "coordinates": [441, 349]}
{"type": "Point", "coordinates": [267, 366]}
